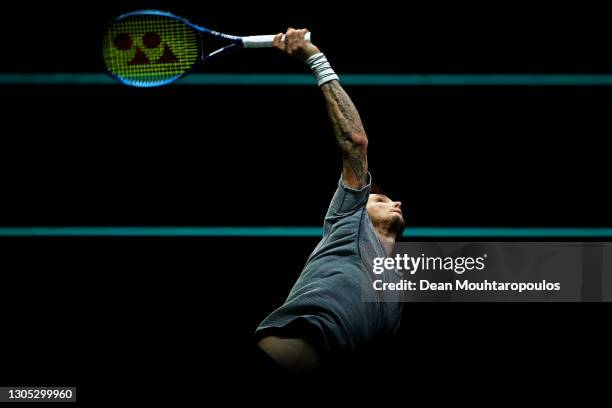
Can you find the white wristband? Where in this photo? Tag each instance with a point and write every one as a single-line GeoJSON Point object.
{"type": "Point", "coordinates": [321, 68]}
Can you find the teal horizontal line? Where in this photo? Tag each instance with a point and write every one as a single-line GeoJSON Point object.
{"type": "Point", "coordinates": [161, 231]}
{"type": "Point", "coordinates": [347, 79]}
{"type": "Point", "coordinates": [416, 232]}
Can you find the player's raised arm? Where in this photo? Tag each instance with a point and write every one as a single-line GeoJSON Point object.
{"type": "Point", "coordinates": [348, 129]}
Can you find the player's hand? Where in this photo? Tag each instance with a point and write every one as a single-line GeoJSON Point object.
{"type": "Point", "coordinates": [295, 45]}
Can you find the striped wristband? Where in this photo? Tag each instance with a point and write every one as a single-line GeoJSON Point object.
{"type": "Point", "coordinates": [321, 68]}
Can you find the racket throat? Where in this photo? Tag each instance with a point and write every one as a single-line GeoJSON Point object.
{"type": "Point", "coordinates": [223, 50]}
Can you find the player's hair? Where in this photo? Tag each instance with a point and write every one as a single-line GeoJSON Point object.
{"type": "Point", "coordinates": [376, 189]}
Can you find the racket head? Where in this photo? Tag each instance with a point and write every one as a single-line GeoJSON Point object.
{"type": "Point", "coordinates": [149, 48]}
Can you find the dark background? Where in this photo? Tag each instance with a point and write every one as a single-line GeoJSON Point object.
{"type": "Point", "coordinates": [146, 312]}
{"type": "Point", "coordinates": [455, 156]}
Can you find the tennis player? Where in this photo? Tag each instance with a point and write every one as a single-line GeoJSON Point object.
{"type": "Point", "coordinates": [332, 309]}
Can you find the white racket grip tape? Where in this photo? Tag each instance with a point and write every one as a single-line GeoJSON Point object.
{"type": "Point", "coordinates": [264, 41]}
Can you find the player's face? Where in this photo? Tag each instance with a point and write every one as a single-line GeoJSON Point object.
{"type": "Point", "coordinates": [385, 213]}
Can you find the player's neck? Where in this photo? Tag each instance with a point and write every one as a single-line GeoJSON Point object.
{"type": "Point", "coordinates": [386, 238]}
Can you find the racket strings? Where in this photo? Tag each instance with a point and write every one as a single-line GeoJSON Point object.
{"type": "Point", "coordinates": [148, 49]}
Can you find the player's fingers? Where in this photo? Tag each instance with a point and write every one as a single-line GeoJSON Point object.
{"type": "Point", "coordinates": [286, 37]}
{"type": "Point", "coordinates": [278, 41]}
{"type": "Point", "coordinates": [292, 34]}
{"type": "Point", "coordinates": [289, 40]}
{"type": "Point", "coordinates": [298, 38]}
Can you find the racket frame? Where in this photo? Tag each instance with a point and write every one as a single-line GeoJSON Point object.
{"type": "Point", "coordinates": [236, 43]}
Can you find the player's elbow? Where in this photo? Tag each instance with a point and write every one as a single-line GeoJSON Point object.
{"type": "Point", "coordinates": [353, 142]}
{"type": "Point", "coordinates": [359, 140]}
{"type": "Point", "coordinates": [295, 355]}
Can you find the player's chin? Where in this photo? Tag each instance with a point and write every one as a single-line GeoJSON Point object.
{"type": "Point", "coordinates": [398, 224]}
{"type": "Point", "coordinates": [396, 215]}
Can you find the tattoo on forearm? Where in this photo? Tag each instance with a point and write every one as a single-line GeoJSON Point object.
{"type": "Point", "coordinates": [358, 163]}
{"type": "Point", "coordinates": [348, 129]}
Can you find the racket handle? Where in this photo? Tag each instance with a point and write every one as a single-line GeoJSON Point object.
{"type": "Point", "coordinates": [264, 41]}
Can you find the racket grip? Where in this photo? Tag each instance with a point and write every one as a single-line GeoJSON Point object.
{"type": "Point", "coordinates": [264, 41]}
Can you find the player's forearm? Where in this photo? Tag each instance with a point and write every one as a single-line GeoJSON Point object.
{"type": "Point", "coordinates": [344, 117]}
{"type": "Point", "coordinates": [349, 133]}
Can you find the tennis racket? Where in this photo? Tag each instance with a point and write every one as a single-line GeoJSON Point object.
{"type": "Point", "coordinates": [148, 48]}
